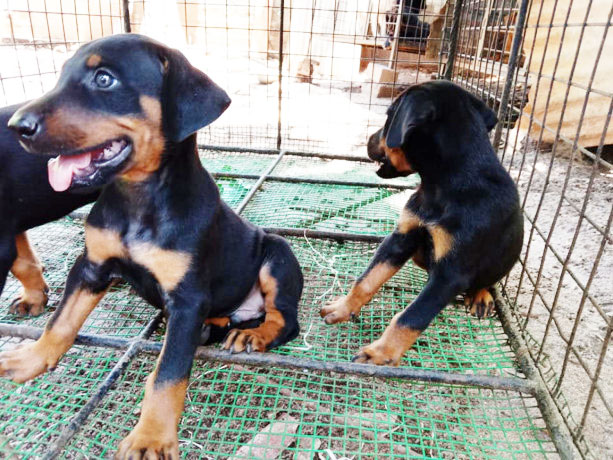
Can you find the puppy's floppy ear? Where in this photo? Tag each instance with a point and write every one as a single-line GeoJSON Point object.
{"type": "Point", "coordinates": [409, 115]}
{"type": "Point", "coordinates": [190, 99]}
{"type": "Point", "coordinates": [487, 114]}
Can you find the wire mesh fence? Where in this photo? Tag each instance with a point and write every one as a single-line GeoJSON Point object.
{"type": "Point", "coordinates": [554, 143]}
{"type": "Point", "coordinates": [316, 76]}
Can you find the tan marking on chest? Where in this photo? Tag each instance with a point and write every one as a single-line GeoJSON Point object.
{"type": "Point", "coordinates": [442, 241]}
{"type": "Point", "coordinates": [103, 244]}
{"type": "Point", "coordinates": [408, 221]}
{"type": "Point", "coordinates": [167, 266]}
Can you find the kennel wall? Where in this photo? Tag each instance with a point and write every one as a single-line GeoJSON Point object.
{"type": "Point", "coordinates": [310, 80]}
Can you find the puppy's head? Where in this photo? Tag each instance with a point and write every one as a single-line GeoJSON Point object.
{"type": "Point", "coordinates": [406, 140]}
{"type": "Point", "coordinates": [118, 102]}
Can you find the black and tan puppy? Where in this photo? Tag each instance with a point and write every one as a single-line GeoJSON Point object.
{"type": "Point", "coordinates": [27, 200]}
{"type": "Point", "coordinates": [124, 113]}
{"type": "Point", "coordinates": [463, 225]}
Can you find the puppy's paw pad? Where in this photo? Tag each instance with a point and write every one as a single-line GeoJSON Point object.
{"type": "Point", "coordinates": [338, 312]}
{"type": "Point", "coordinates": [377, 354]}
{"type": "Point", "coordinates": [24, 363]}
{"type": "Point", "coordinates": [481, 305]}
{"type": "Point", "coordinates": [148, 445]}
{"type": "Point", "coordinates": [29, 303]}
{"type": "Point", "coordinates": [239, 340]}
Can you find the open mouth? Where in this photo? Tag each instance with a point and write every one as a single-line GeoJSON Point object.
{"type": "Point", "coordinates": [90, 168]}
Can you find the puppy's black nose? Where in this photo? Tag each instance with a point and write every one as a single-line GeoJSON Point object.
{"type": "Point", "coordinates": [27, 125]}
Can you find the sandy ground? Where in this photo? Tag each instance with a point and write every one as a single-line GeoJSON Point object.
{"type": "Point", "coordinates": [337, 115]}
{"type": "Point", "coordinates": [578, 242]}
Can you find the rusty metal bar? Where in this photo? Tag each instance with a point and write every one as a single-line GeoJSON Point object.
{"type": "Point", "coordinates": [127, 27]}
{"type": "Point", "coordinates": [292, 362]}
{"type": "Point", "coordinates": [503, 109]}
{"type": "Point", "coordinates": [558, 430]}
{"type": "Point", "coordinates": [309, 180]}
{"type": "Point", "coordinates": [453, 40]}
{"type": "Point", "coordinates": [258, 184]}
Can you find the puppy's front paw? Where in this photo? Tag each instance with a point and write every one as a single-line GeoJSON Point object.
{"type": "Point", "coordinates": [30, 302]}
{"type": "Point", "coordinates": [248, 340]}
{"type": "Point", "coordinates": [379, 353]}
{"type": "Point", "coordinates": [339, 311]}
{"type": "Point", "coordinates": [390, 347]}
{"type": "Point", "coordinates": [481, 305]}
{"type": "Point", "coordinates": [26, 362]}
{"type": "Point", "coordinates": [150, 443]}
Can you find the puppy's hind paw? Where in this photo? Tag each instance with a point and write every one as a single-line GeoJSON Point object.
{"type": "Point", "coordinates": [30, 303]}
{"type": "Point", "coordinates": [481, 305]}
{"type": "Point", "coordinates": [247, 340]}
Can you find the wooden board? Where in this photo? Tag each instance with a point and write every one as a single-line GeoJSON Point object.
{"type": "Point", "coordinates": [553, 111]}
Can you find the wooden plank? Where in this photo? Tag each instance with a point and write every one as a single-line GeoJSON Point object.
{"type": "Point", "coordinates": [552, 112]}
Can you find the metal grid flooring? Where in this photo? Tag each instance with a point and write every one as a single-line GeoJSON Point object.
{"type": "Point", "coordinates": [238, 410]}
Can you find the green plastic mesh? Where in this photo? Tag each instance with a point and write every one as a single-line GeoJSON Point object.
{"type": "Point", "coordinates": [339, 208]}
{"type": "Point", "coordinates": [231, 410]}
{"type": "Point", "coordinates": [33, 415]}
{"type": "Point", "coordinates": [455, 341]}
{"type": "Point", "coordinates": [300, 167]}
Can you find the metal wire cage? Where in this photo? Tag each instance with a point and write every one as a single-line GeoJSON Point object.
{"type": "Point", "coordinates": [310, 80]}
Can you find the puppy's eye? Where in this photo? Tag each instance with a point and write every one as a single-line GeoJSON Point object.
{"type": "Point", "coordinates": [104, 80]}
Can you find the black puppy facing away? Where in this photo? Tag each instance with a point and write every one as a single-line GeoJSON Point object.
{"type": "Point", "coordinates": [411, 27]}
{"type": "Point", "coordinates": [125, 113]}
{"type": "Point", "coordinates": [27, 200]}
{"type": "Point", "coordinates": [463, 225]}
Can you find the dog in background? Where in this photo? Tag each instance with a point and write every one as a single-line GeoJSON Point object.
{"type": "Point", "coordinates": [412, 28]}
{"type": "Point", "coordinates": [383, 19]}
{"type": "Point", "coordinates": [124, 115]}
{"type": "Point", "coordinates": [463, 225]}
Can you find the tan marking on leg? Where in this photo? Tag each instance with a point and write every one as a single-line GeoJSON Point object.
{"type": "Point", "coordinates": [223, 321]}
{"type": "Point", "coordinates": [103, 244]}
{"type": "Point", "coordinates": [26, 362]}
{"type": "Point", "coordinates": [408, 221]}
{"type": "Point", "coordinates": [259, 338]}
{"type": "Point", "coordinates": [93, 60]}
{"type": "Point", "coordinates": [29, 271]}
{"type": "Point", "coordinates": [156, 430]}
{"type": "Point", "coordinates": [390, 347]}
{"type": "Point", "coordinates": [344, 308]}
{"type": "Point", "coordinates": [60, 334]}
{"type": "Point", "coordinates": [168, 266]}
{"type": "Point", "coordinates": [442, 241]}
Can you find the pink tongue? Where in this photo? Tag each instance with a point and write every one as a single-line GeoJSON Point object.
{"type": "Point", "coordinates": [62, 168]}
